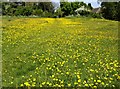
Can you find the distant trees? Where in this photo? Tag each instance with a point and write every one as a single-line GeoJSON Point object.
{"type": "Point", "coordinates": [69, 7]}
{"type": "Point", "coordinates": [26, 8]}
{"type": "Point", "coordinates": [89, 6]}
{"type": "Point", "coordinates": [43, 9]}
{"type": "Point", "coordinates": [58, 13]}
{"type": "Point", "coordinates": [111, 10]}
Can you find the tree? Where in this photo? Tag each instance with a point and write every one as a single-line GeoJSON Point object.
{"type": "Point", "coordinates": [59, 12]}
{"type": "Point", "coordinates": [46, 6]}
{"type": "Point", "coordinates": [69, 7]}
{"type": "Point", "coordinates": [26, 8]}
{"type": "Point", "coordinates": [110, 10]}
{"type": "Point", "coordinates": [118, 11]}
{"type": "Point", "coordinates": [66, 8]}
{"type": "Point", "coordinates": [37, 12]}
{"type": "Point", "coordinates": [89, 6]}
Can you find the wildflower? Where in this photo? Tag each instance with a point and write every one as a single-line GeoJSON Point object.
{"type": "Point", "coordinates": [86, 85]}
{"type": "Point", "coordinates": [43, 83]}
{"type": "Point", "coordinates": [102, 83]}
{"type": "Point", "coordinates": [113, 85]}
{"type": "Point", "coordinates": [33, 84]}
{"type": "Point", "coordinates": [27, 84]}
{"type": "Point", "coordinates": [53, 76]}
{"type": "Point", "coordinates": [69, 85]}
{"type": "Point", "coordinates": [40, 85]}
{"type": "Point", "coordinates": [94, 86]}
{"type": "Point", "coordinates": [50, 84]}
{"type": "Point", "coordinates": [36, 68]}
{"type": "Point", "coordinates": [67, 73]}
{"type": "Point", "coordinates": [21, 85]}
{"type": "Point", "coordinates": [79, 80]}
{"type": "Point", "coordinates": [34, 79]}
{"type": "Point", "coordinates": [98, 81]}
{"type": "Point", "coordinates": [23, 76]}
{"type": "Point", "coordinates": [78, 76]}
{"type": "Point", "coordinates": [91, 70]}
{"type": "Point", "coordinates": [61, 81]}
{"type": "Point", "coordinates": [75, 83]}
{"type": "Point", "coordinates": [11, 82]}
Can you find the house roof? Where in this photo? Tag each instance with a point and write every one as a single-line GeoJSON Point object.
{"type": "Point", "coordinates": [96, 10]}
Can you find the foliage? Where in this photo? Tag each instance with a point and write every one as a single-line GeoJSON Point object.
{"type": "Point", "coordinates": [69, 7]}
{"type": "Point", "coordinates": [38, 12]}
{"type": "Point", "coordinates": [59, 12]}
{"type": "Point", "coordinates": [26, 8]}
{"type": "Point", "coordinates": [110, 10]}
{"type": "Point", "coordinates": [96, 15]}
{"type": "Point", "coordinates": [84, 13]}
{"type": "Point", "coordinates": [89, 6]}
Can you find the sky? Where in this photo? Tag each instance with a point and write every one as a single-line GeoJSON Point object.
{"type": "Point", "coordinates": [94, 3]}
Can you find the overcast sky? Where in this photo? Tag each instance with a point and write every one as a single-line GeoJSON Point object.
{"type": "Point", "coordinates": [93, 2]}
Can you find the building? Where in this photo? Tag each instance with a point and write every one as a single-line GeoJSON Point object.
{"type": "Point", "coordinates": [96, 10]}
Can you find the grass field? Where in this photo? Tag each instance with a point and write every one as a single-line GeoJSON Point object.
{"type": "Point", "coordinates": [60, 52]}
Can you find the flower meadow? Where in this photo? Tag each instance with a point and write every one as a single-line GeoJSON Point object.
{"type": "Point", "coordinates": [60, 52]}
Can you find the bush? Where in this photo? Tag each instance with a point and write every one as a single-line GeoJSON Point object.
{"type": "Point", "coordinates": [84, 13]}
{"type": "Point", "coordinates": [37, 12]}
{"type": "Point", "coordinates": [96, 15]}
{"type": "Point", "coordinates": [59, 13]}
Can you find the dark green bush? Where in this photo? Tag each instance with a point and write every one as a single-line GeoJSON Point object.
{"type": "Point", "coordinates": [96, 15]}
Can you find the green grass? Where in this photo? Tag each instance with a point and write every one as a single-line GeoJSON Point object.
{"type": "Point", "coordinates": [60, 52]}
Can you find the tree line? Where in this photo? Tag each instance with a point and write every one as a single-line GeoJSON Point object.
{"type": "Point", "coordinates": [27, 8]}
{"type": "Point", "coordinates": [40, 8]}
{"type": "Point", "coordinates": [109, 10]}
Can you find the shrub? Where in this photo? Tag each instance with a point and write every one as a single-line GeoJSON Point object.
{"type": "Point", "coordinates": [96, 15]}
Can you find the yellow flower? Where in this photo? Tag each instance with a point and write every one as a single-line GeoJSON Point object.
{"type": "Point", "coordinates": [23, 76]}
{"type": "Point", "coordinates": [113, 85]}
{"type": "Point", "coordinates": [62, 85]}
{"type": "Point", "coordinates": [53, 76]}
{"type": "Point", "coordinates": [86, 85]}
{"type": "Point", "coordinates": [102, 83]}
{"type": "Point", "coordinates": [67, 73]}
{"type": "Point", "coordinates": [79, 80]}
{"type": "Point", "coordinates": [36, 68]}
{"type": "Point", "coordinates": [40, 85]}
{"type": "Point", "coordinates": [61, 81]}
{"type": "Point", "coordinates": [11, 82]}
{"type": "Point", "coordinates": [75, 83]}
{"type": "Point", "coordinates": [21, 85]}
{"type": "Point", "coordinates": [50, 84]}
{"type": "Point", "coordinates": [43, 83]}
{"type": "Point", "coordinates": [91, 70]}
{"type": "Point", "coordinates": [34, 79]}
{"type": "Point", "coordinates": [27, 84]}
{"type": "Point", "coordinates": [33, 85]}
{"type": "Point", "coordinates": [69, 85]}
{"type": "Point", "coordinates": [94, 86]}
{"type": "Point", "coordinates": [56, 85]}
{"type": "Point", "coordinates": [78, 76]}
{"type": "Point", "coordinates": [98, 81]}
{"type": "Point", "coordinates": [118, 77]}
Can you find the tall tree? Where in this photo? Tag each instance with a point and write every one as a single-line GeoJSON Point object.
{"type": "Point", "coordinates": [110, 10]}
{"type": "Point", "coordinates": [89, 6]}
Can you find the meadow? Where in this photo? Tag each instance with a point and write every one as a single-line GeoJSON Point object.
{"type": "Point", "coordinates": [60, 52]}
